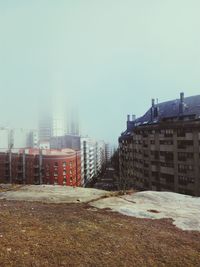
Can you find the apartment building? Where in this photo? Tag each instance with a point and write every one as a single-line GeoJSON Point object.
{"type": "Point", "coordinates": [34, 166]}
{"type": "Point", "coordinates": [87, 159]}
{"type": "Point", "coordinates": [99, 156]}
{"type": "Point", "coordinates": [161, 150]}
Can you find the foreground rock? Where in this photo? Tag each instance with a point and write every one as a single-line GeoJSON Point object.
{"type": "Point", "coordinates": [53, 194]}
{"type": "Point", "coordinates": [184, 210]}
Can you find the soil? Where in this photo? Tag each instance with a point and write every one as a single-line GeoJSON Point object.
{"type": "Point", "coordinates": [38, 234]}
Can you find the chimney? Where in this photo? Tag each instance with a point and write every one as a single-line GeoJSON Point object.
{"type": "Point", "coordinates": [133, 117]}
{"type": "Point", "coordinates": [181, 104]}
{"type": "Point", "coordinates": [154, 109]}
{"type": "Point", "coordinates": [153, 103]}
{"type": "Point", "coordinates": [128, 123]}
{"type": "Point", "coordinates": [182, 97]}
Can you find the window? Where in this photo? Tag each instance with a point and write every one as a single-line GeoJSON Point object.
{"type": "Point", "coordinates": [64, 164]}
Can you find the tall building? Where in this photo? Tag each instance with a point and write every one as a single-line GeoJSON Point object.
{"type": "Point", "coordinates": [5, 138]}
{"type": "Point", "coordinates": [73, 123]}
{"type": "Point", "coordinates": [161, 150]}
{"type": "Point", "coordinates": [45, 128]}
{"type": "Point", "coordinates": [87, 160]}
{"type": "Point", "coordinates": [99, 156]}
{"type": "Point", "coordinates": [58, 124]}
{"type": "Point", "coordinates": [108, 152]}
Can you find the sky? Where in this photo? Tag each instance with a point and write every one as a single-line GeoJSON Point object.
{"type": "Point", "coordinates": [108, 57]}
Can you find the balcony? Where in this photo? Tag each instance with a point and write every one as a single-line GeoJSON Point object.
{"type": "Point", "coordinates": [169, 148]}
{"type": "Point", "coordinates": [168, 170]}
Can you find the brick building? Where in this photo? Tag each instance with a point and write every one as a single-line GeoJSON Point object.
{"type": "Point", "coordinates": [34, 166]}
{"type": "Point", "coordinates": [161, 150]}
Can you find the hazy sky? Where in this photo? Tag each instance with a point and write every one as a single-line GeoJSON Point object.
{"type": "Point", "coordinates": [111, 57]}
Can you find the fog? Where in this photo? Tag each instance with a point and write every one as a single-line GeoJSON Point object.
{"type": "Point", "coordinates": [105, 58]}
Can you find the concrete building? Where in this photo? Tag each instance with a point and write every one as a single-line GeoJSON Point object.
{"type": "Point", "coordinates": [5, 139]}
{"type": "Point", "coordinates": [33, 139]}
{"type": "Point", "coordinates": [99, 156]}
{"type": "Point", "coordinates": [34, 166]}
{"type": "Point", "coordinates": [108, 152]}
{"type": "Point", "coordinates": [161, 150]}
{"type": "Point", "coordinates": [87, 159]}
{"type": "Point", "coordinates": [92, 153]}
{"type": "Point", "coordinates": [45, 131]}
{"type": "Point", "coordinates": [19, 138]}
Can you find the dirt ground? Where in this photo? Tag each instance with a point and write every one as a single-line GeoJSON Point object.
{"type": "Point", "coordinates": [36, 234]}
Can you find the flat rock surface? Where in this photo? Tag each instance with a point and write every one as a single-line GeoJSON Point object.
{"type": "Point", "coordinates": [184, 210]}
{"type": "Point", "coordinates": [52, 194]}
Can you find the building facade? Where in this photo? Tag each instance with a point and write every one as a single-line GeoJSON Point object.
{"type": "Point", "coordinates": [5, 139]}
{"type": "Point", "coordinates": [87, 160]}
{"type": "Point", "coordinates": [34, 166]}
{"type": "Point", "coordinates": [161, 150]}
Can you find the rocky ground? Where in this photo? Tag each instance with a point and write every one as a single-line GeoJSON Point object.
{"type": "Point", "coordinates": [43, 234]}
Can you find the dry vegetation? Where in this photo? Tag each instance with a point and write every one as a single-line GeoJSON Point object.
{"type": "Point", "coordinates": [36, 234]}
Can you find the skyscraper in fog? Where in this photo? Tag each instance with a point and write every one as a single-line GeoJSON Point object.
{"type": "Point", "coordinates": [58, 108]}
{"type": "Point", "coordinates": [73, 122]}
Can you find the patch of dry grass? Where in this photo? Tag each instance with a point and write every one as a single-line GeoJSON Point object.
{"type": "Point", "coordinates": [36, 234]}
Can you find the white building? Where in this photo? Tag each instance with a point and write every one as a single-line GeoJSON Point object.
{"type": "Point", "coordinates": [5, 139]}
{"type": "Point", "coordinates": [20, 137]}
{"type": "Point", "coordinates": [108, 152]}
{"type": "Point", "coordinates": [99, 156]}
{"type": "Point", "coordinates": [92, 158]}
{"type": "Point", "coordinates": [87, 159]}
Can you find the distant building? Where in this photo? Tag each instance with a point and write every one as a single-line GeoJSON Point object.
{"type": "Point", "coordinates": [87, 160]}
{"type": "Point", "coordinates": [92, 153]}
{"type": "Point", "coordinates": [73, 123]}
{"type": "Point", "coordinates": [34, 166]}
{"type": "Point", "coordinates": [32, 139]}
{"type": "Point", "coordinates": [161, 150]}
{"type": "Point", "coordinates": [99, 156]}
{"type": "Point", "coordinates": [66, 141]}
{"type": "Point", "coordinates": [20, 137]}
{"type": "Point", "coordinates": [108, 152]}
{"type": "Point", "coordinates": [5, 139]}
{"type": "Point", "coordinates": [45, 131]}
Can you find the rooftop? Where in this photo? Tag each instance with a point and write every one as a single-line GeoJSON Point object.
{"type": "Point", "coordinates": [168, 110]}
